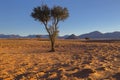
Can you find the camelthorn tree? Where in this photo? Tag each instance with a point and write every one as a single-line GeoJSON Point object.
{"type": "Point", "coordinates": [50, 17]}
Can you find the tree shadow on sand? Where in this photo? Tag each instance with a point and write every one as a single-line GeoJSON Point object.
{"type": "Point", "coordinates": [117, 76]}
{"type": "Point", "coordinates": [50, 73]}
{"type": "Point", "coordinates": [1, 78]}
{"type": "Point", "coordinates": [19, 77]}
{"type": "Point", "coordinates": [83, 73]}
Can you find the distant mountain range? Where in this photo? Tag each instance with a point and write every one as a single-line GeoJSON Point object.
{"type": "Point", "coordinates": [97, 35]}
{"type": "Point", "coordinates": [9, 36]}
{"type": "Point", "coordinates": [91, 35]}
{"type": "Point", "coordinates": [18, 36]}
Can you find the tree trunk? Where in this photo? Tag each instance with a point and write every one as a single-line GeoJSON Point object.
{"type": "Point", "coordinates": [52, 36]}
{"type": "Point", "coordinates": [52, 45]}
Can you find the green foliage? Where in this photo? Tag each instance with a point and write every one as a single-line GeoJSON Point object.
{"type": "Point", "coordinates": [59, 13]}
{"type": "Point", "coordinates": [41, 13]}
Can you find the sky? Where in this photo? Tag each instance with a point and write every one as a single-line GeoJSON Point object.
{"type": "Point", "coordinates": [84, 16]}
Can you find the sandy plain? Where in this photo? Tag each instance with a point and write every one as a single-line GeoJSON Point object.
{"type": "Point", "coordinates": [29, 59]}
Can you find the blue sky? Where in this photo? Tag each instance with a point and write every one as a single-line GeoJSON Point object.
{"type": "Point", "coordinates": [85, 16]}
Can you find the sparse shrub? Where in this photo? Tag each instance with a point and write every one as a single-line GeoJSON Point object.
{"type": "Point", "coordinates": [38, 37]}
{"type": "Point", "coordinates": [87, 38]}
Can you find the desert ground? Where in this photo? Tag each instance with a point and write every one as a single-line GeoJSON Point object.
{"type": "Point", "coordinates": [30, 59]}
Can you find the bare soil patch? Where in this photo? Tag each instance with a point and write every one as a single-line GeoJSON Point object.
{"type": "Point", "coordinates": [29, 59]}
